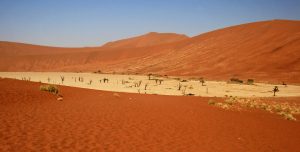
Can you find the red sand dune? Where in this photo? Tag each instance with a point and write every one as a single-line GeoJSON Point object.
{"type": "Point", "coordinates": [90, 120]}
{"type": "Point", "coordinates": [149, 39]}
{"type": "Point", "coordinates": [265, 51]}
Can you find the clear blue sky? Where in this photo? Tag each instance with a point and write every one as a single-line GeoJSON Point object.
{"type": "Point", "coordinates": [73, 23]}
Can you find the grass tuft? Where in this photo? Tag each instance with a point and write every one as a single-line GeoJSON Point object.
{"type": "Point", "coordinates": [49, 88]}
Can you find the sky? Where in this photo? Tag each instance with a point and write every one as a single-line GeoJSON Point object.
{"type": "Point", "coordinates": [82, 23]}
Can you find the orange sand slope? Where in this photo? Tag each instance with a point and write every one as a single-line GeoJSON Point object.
{"type": "Point", "coordinates": [266, 51]}
{"type": "Point", "coordinates": [89, 120]}
{"type": "Point", "coordinates": [149, 39]}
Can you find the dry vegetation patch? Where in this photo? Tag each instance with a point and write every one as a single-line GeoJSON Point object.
{"type": "Point", "coordinates": [52, 89]}
{"type": "Point", "coordinates": [49, 88]}
{"type": "Point", "coordinates": [284, 109]}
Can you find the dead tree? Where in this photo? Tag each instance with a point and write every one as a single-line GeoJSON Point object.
{"type": "Point", "coordinates": [80, 79]}
{"type": "Point", "coordinates": [202, 81]}
{"type": "Point", "coordinates": [137, 84]}
{"type": "Point", "coordinates": [149, 76]}
{"type": "Point", "coordinates": [146, 85]}
{"type": "Point", "coordinates": [160, 81]}
{"type": "Point", "coordinates": [275, 89]}
{"type": "Point", "coordinates": [183, 91]}
{"type": "Point", "coordinates": [179, 86]}
{"type": "Point", "coordinates": [62, 79]}
{"type": "Point", "coordinates": [105, 80]}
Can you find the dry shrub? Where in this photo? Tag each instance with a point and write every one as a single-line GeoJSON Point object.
{"type": "Point", "coordinates": [49, 88]}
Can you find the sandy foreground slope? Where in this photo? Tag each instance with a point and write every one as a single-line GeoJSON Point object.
{"type": "Point", "coordinates": [91, 120]}
{"type": "Point", "coordinates": [168, 86]}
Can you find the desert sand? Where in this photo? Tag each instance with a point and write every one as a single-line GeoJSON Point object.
{"type": "Point", "coordinates": [267, 51]}
{"type": "Point", "coordinates": [92, 120]}
{"type": "Point", "coordinates": [168, 86]}
{"type": "Point", "coordinates": [171, 111]}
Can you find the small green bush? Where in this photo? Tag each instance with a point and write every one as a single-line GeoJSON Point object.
{"type": "Point", "coordinates": [50, 88]}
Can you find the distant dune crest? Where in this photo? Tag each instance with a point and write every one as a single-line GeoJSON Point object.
{"type": "Point", "coordinates": [149, 39]}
